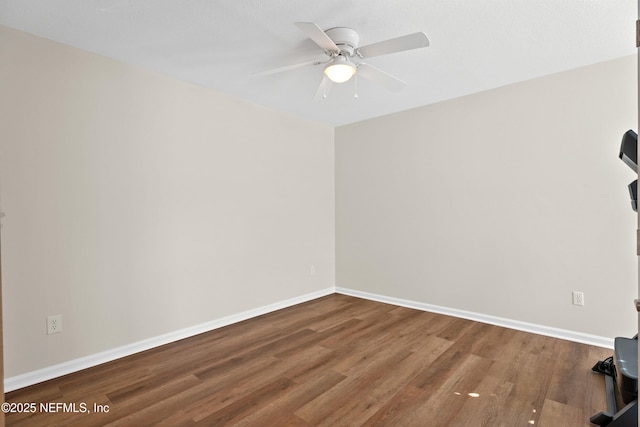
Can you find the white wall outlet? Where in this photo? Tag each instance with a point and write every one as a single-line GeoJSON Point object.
{"type": "Point", "coordinates": [54, 324]}
{"type": "Point", "coordinates": [312, 270]}
{"type": "Point", "coordinates": [578, 298]}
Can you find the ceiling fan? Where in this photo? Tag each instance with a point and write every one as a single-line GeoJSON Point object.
{"type": "Point", "coordinates": [345, 56]}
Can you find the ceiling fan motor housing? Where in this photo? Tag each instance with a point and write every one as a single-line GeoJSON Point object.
{"type": "Point", "coordinates": [346, 39]}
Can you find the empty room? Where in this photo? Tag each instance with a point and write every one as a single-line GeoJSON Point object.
{"type": "Point", "coordinates": [286, 213]}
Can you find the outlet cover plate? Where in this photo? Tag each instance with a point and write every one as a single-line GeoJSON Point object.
{"type": "Point", "coordinates": [54, 324]}
{"type": "Point", "coordinates": [578, 298]}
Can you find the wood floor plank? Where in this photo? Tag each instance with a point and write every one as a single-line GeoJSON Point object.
{"type": "Point", "coordinates": [400, 409]}
{"type": "Point", "coordinates": [245, 405]}
{"type": "Point", "coordinates": [444, 402]}
{"type": "Point", "coordinates": [555, 413]}
{"type": "Point", "coordinates": [336, 361]}
{"type": "Point", "coordinates": [280, 411]}
{"type": "Point", "coordinates": [356, 394]}
{"type": "Point", "coordinates": [488, 408]}
{"type": "Point", "coordinates": [531, 382]}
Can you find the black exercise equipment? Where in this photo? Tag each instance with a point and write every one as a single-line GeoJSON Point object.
{"type": "Point", "coordinates": [621, 377]}
{"type": "Point", "coordinates": [621, 370]}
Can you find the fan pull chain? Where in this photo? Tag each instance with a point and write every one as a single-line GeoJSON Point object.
{"type": "Point", "coordinates": [355, 95]}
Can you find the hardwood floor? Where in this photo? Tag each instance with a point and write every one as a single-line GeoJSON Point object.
{"type": "Point", "coordinates": [335, 361]}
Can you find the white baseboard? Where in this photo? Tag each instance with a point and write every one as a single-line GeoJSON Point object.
{"type": "Point", "coordinates": [34, 377]}
{"type": "Point", "coordinates": [493, 320]}
{"type": "Point", "coordinates": [40, 375]}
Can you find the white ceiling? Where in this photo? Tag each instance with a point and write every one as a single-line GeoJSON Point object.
{"type": "Point", "coordinates": [475, 44]}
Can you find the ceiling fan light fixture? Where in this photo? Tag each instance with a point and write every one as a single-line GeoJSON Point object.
{"type": "Point", "coordinates": [340, 70]}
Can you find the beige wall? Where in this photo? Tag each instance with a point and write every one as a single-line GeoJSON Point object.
{"type": "Point", "coordinates": [500, 203]}
{"type": "Point", "coordinates": [137, 205]}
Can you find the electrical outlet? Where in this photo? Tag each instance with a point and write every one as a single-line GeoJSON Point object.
{"type": "Point", "coordinates": [578, 298]}
{"type": "Point", "coordinates": [312, 270]}
{"type": "Point", "coordinates": [54, 324]}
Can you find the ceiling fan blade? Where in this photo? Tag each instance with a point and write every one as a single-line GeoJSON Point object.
{"type": "Point", "coordinates": [398, 44]}
{"type": "Point", "coordinates": [316, 34]}
{"type": "Point", "coordinates": [323, 89]}
{"type": "Point", "coordinates": [376, 75]}
{"type": "Point", "coordinates": [286, 68]}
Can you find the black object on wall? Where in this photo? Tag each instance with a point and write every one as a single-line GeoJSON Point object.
{"type": "Point", "coordinates": [629, 150]}
{"type": "Point", "coordinates": [629, 155]}
{"type": "Point", "coordinates": [633, 192]}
